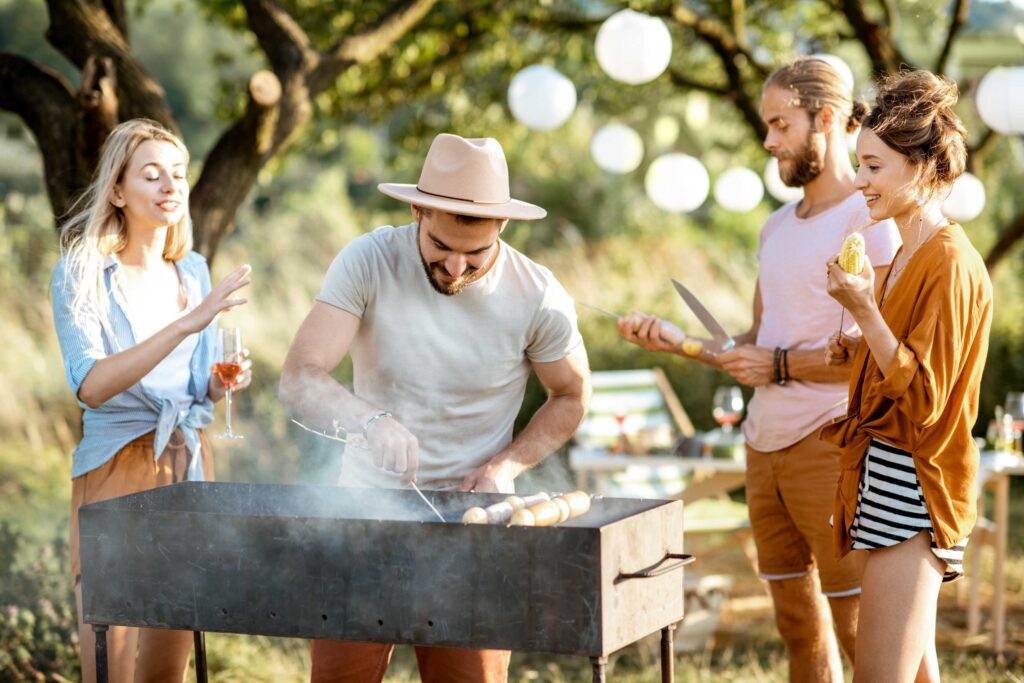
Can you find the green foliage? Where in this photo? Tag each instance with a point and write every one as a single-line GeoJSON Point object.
{"type": "Point", "coordinates": [38, 631]}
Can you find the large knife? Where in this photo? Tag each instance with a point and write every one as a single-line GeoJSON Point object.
{"type": "Point", "coordinates": [718, 332]}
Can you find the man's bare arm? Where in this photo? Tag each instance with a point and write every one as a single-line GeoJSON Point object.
{"type": "Point", "coordinates": [568, 384]}
{"type": "Point", "coordinates": [307, 387]}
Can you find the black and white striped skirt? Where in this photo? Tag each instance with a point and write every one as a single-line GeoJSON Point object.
{"type": "Point", "coordinates": [891, 507]}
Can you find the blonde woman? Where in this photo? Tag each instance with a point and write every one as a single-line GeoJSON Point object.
{"type": "Point", "coordinates": [134, 310]}
{"type": "Point", "coordinates": [906, 491]}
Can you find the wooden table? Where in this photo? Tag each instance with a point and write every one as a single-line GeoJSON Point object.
{"type": "Point", "coordinates": [994, 474]}
{"type": "Point", "coordinates": [594, 467]}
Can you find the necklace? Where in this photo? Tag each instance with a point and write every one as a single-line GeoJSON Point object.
{"type": "Point", "coordinates": [894, 272]}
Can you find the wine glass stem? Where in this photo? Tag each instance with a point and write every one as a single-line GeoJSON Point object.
{"type": "Point", "coordinates": [227, 414]}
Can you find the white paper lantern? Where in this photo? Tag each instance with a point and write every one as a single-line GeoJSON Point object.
{"type": "Point", "coordinates": [632, 47]}
{"type": "Point", "coordinates": [677, 182]}
{"type": "Point", "coordinates": [617, 148]}
{"type": "Point", "coordinates": [839, 65]}
{"type": "Point", "coordinates": [778, 189]}
{"type": "Point", "coordinates": [739, 190]}
{"type": "Point", "coordinates": [966, 199]}
{"type": "Point", "coordinates": [1000, 100]}
{"type": "Point", "coordinates": [698, 110]}
{"type": "Point", "coordinates": [541, 98]}
{"type": "Point", "coordinates": [851, 141]}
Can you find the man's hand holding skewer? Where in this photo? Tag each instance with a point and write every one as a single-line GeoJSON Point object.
{"type": "Point", "coordinates": [650, 332]}
{"type": "Point", "coordinates": [393, 447]}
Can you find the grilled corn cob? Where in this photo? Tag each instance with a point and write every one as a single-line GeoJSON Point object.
{"type": "Point", "coordinates": [851, 258]}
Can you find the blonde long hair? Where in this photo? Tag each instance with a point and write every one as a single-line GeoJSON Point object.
{"type": "Point", "coordinates": [97, 228]}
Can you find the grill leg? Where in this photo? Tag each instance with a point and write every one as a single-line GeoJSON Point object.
{"type": "Point", "coordinates": [667, 655]}
{"type": "Point", "coordinates": [100, 632]}
{"type": "Point", "coordinates": [599, 664]}
{"type": "Point", "coordinates": [200, 643]}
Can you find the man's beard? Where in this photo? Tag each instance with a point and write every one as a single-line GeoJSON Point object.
{"type": "Point", "coordinates": [436, 270]}
{"type": "Point", "coordinates": [805, 165]}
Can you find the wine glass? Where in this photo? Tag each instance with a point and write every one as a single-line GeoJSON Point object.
{"type": "Point", "coordinates": [728, 407]}
{"type": "Point", "coordinates": [1014, 407]}
{"type": "Point", "coordinates": [227, 369]}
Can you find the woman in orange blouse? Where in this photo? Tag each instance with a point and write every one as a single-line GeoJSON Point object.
{"type": "Point", "coordinates": [908, 459]}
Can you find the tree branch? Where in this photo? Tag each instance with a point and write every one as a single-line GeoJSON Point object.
{"type": "Point", "coordinates": [731, 55]}
{"type": "Point", "coordinates": [233, 164]}
{"type": "Point", "coordinates": [44, 101]}
{"type": "Point", "coordinates": [118, 15]}
{"type": "Point", "coordinates": [957, 19]}
{"type": "Point", "coordinates": [878, 41]}
{"type": "Point", "coordinates": [976, 154]}
{"type": "Point", "coordinates": [368, 43]}
{"type": "Point", "coordinates": [83, 28]}
{"type": "Point", "coordinates": [97, 110]}
{"type": "Point", "coordinates": [693, 84]}
{"type": "Point", "coordinates": [715, 34]}
{"type": "Point", "coordinates": [282, 40]}
{"type": "Point", "coordinates": [1008, 237]}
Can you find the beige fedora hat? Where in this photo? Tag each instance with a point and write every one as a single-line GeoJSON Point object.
{"type": "Point", "coordinates": [464, 176]}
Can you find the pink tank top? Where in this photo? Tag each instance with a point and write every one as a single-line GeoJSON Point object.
{"type": "Point", "coordinates": [798, 313]}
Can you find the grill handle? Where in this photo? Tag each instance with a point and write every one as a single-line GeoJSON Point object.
{"type": "Point", "coordinates": [658, 568]}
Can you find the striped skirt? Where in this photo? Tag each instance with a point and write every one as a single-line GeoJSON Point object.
{"type": "Point", "coordinates": [891, 507]}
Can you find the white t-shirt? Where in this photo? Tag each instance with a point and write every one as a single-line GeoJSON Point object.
{"type": "Point", "coordinates": [798, 313]}
{"type": "Point", "coordinates": [171, 376]}
{"type": "Point", "coordinates": [452, 369]}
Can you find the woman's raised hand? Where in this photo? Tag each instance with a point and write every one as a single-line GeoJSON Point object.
{"type": "Point", "coordinates": [219, 300]}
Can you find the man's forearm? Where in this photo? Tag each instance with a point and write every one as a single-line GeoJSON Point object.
{"type": "Point", "coordinates": [551, 426]}
{"type": "Point", "coordinates": [317, 397]}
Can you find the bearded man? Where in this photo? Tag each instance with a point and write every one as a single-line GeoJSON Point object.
{"type": "Point", "coordinates": [444, 323]}
{"type": "Point", "coordinates": [791, 474]}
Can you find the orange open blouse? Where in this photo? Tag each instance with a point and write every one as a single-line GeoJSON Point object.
{"type": "Point", "coordinates": [926, 403]}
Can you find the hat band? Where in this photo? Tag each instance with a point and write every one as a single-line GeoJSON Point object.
{"type": "Point", "coordinates": [461, 199]}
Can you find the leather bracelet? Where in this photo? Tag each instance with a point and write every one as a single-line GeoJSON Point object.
{"type": "Point", "coordinates": [776, 356]}
{"type": "Point", "coordinates": [373, 418]}
{"type": "Point", "coordinates": [785, 366]}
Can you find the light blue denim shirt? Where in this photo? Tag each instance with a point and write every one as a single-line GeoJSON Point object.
{"type": "Point", "coordinates": [137, 410]}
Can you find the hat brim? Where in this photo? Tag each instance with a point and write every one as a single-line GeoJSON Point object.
{"type": "Point", "coordinates": [512, 209]}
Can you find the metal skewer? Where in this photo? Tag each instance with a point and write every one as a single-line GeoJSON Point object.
{"type": "Point", "coordinates": [359, 442]}
{"type": "Point", "coordinates": [601, 310]}
{"type": "Point", "coordinates": [429, 504]}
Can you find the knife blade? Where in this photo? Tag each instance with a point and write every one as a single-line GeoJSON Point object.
{"type": "Point", "coordinates": [718, 332]}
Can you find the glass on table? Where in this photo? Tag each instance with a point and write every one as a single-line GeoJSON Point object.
{"type": "Point", "coordinates": [727, 408]}
{"type": "Point", "coordinates": [1013, 409]}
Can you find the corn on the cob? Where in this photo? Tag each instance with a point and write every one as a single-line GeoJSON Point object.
{"type": "Point", "coordinates": [851, 258]}
{"type": "Point", "coordinates": [692, 347]}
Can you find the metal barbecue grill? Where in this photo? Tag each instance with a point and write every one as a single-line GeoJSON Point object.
{"type": "Point", "coordinates": [376, 565]}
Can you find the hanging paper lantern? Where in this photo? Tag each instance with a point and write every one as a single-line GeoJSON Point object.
{"type": "Point", "coordinates": [698, 110]}
{"type": "Point", "coordinates": [778, 189]}
{"type": "Point", "coordinates": [839, 65]}
{"type": "Point", "coordinates": [632, 47]}
{"type": "Point", "coordinates": [1000, 100]}
{"type": "Point", "coordinates": [617, 148]}
{"type": "Point", "coordinates": [851, 141]}
{"type": "Point", "coordinates": [677, 183]}
{"type": "Point", "coordinates": [739, 190]}
{"type": "Point", "coordinates": [966, 199]}
{"type": "Point", "coordinates": [541, 98]}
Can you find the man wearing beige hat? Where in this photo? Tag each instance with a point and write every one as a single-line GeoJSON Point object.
{"type": "Point", "coordinates": [444, 323]}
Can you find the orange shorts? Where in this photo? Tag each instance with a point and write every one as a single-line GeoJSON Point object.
{"type": "Point", "coordinates": [790, 494]}
{"type": "Point", "coordinates": [344, 661]}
